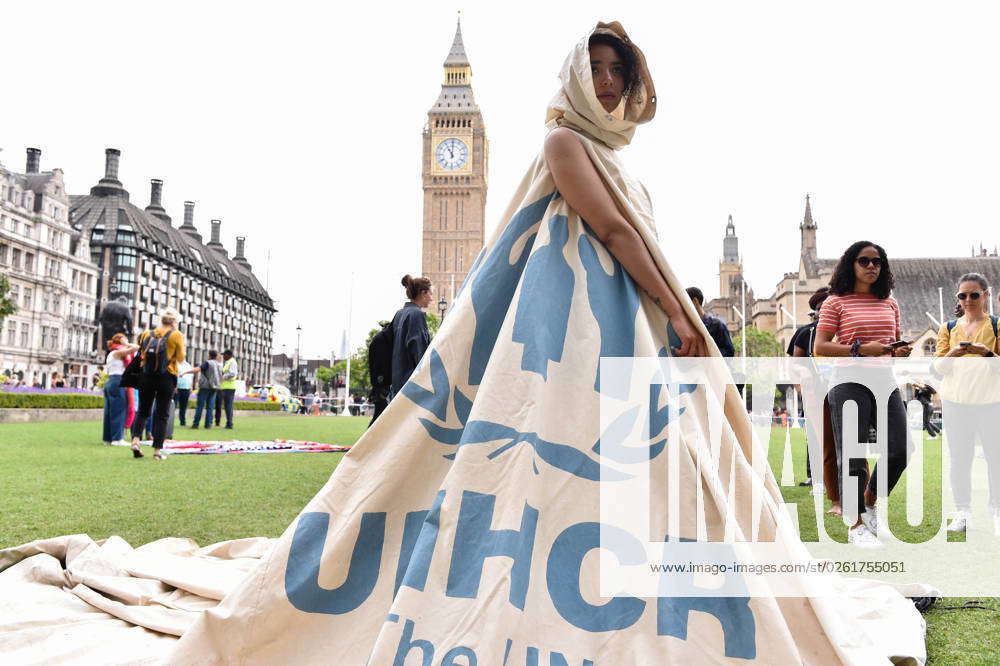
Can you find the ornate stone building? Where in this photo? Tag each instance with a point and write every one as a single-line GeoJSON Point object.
{"type": "Point", "coordinates": [52, 280]}
{"type": "Point", "coordinates": [455, 162]}
{"type": "Point", "coordinates": [147, 263]}
{"type": "Point", "coordinates": [924, 289]}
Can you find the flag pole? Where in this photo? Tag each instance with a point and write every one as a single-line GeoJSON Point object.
{"type": "Point", "coordinates": [347, 378]}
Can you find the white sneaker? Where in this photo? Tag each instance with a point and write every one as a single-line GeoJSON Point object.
{"type": "Point", "coordinates": [870, 519]}
{"type": "Point", "coordinates": [960, 523]}
{"type": "Point", "coordinates": [862, 537]}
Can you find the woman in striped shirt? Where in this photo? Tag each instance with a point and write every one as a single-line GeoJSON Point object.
{"type": "Point", "coordinates": [864, 319]}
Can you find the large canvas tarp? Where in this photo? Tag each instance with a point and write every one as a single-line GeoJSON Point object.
{"type": "Point", "coordinates": [458, 528]}
{"type": "Point", "coordinates": [462, 527]}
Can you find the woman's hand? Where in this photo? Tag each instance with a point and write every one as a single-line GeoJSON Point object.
{"type": "Point", "coordinates": [692, 344]}
{"type": "Point", "coordinates": [874, 349]}
{"type": "Point", "coordinates": [977, 348]}
{"type": "Point", "coordinates": [958, 351]}
{"type": "Point", "coordinates": [903, 351]}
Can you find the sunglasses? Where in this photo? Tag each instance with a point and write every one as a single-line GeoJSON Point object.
{"type": "Point", "coordinates": [974, 295]}
{"type": "Point", "coordinates": [864, 261]}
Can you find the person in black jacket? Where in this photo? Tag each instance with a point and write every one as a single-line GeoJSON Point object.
{"type": "Point", "coordinates": [716, 328]}
{"type": "Point", "coordinates": [410, 337]}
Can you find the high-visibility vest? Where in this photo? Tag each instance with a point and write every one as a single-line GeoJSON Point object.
{"type": "Point", "coordinates": [228, 366]}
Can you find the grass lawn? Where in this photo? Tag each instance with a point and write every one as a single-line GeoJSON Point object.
{"type": "Point", "coordinates": [953, 636]}
{"type": "Point", "coordinates": [58, 479]}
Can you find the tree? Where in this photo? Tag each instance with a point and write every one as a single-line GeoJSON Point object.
{"type": "Point", "coordinates": [325, 375]}
{"type": "Point", "coordinates": [7, 304]}
{"type": "Point", "coordinates": [433, 323]}
{"type": "Point", "coordinates": [359, 365]}
{"type": "Point", "coordinates": [759, 343]}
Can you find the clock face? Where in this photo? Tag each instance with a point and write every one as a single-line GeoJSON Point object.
{"type": "Point", "coordinates": [451, 154]}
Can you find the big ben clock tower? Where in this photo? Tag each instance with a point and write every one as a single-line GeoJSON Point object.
{"type": "Point", "coordinates": [454, 177]}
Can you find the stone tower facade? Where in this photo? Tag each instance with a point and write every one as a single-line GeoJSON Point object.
{"type": "Point", "coordinates": [455, 162]}
{"type": "Point", "coordinates": [730, 268]}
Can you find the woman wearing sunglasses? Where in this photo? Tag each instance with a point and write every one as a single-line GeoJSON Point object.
{"type": "Point", "coordinates": [864, 318]}
{"type": "Point", "coordinates": [970, 396]}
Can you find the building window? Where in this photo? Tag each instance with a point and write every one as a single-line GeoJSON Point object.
{"type": "Point", "coordinates": [25, 330]}
{"type": "Point", "coordinates": [460, 213]}
{"type": "Point", "coordinates": [11, 333]}
{"type": "Point", "coordinates": [930, 347]}
{"type": "Point", "coordinates": [458, 258]}
{"type": "Point", "coordinates": [27, 299]}
{"type": "Point", "coordinates": [3, 254]}
{"type": "Point", "coordinates": [443, 214]}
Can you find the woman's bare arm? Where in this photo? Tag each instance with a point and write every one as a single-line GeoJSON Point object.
{"type": "Point", "coordinates": [585, 192]}
{"type": "Point", "coordinates": [122, 353]}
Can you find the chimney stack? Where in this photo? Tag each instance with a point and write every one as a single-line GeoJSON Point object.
{"type": "Point", "coordinates": [155, 192]}
{"type": "Point", "coordinates": [216, 228]}
{"type": "Point", "coordinates": [34, 160]}
{"type": "Point", "coordinates": [188, 226]}
{"type": "Point", "coordinates": [110, 186]}
{"type": "Point", "coordinates": [111, 158]}
{"type": "Point", "coordinates": [240, 242]}
{"type": "Point", "coordinates": [155, 208]}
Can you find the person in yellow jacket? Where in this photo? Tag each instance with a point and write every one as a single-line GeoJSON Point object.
{"type": "Point", "coordinates": [161, 351]}
{"type": "Point", "coordinates": [970, 395]}
{"type": "Point", "coordinates": [227, 389]}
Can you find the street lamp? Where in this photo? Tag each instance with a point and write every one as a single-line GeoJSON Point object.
{"type": "Point", "coordinates": [442, 306]}
{"type": "Point", "coordinates": [298, 345]}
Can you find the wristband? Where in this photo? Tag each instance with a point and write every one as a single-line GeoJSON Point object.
{"type": "Point", "coordinates": [856, 348]}
{"type": "Point", "coordinates": [989, 354]}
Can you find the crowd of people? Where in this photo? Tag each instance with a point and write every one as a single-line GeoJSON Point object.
{"type": "Point", "coordinates": [149, 379]}
{"type": "Point", "coordinates": [856, 316]}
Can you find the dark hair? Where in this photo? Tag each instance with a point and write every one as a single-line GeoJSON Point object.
{"type": "Point", "coordinates": [816, 300]}
{"type": "Point", "coordinates": [971, 277]}
{"type": "Point", "coordinates": [212, 353]}
{"type": "Point", "coordinates": [630, 63]}
{"type": "Point", "coordinates": [415, 285]}
{"type": "Point", "coordinates": [694, 293]}
{"type": "Point", "coordinates": [843, 278]}
{"type": "Point", "coordinates": [228, 352]}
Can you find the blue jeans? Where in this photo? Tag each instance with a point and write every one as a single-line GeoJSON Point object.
{"type": "Point", "coordinates": [115, 406]}
{"type": "Point", "coordinates": [206, 401]}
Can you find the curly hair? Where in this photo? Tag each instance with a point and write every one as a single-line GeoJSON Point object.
{"type": "Point", "coordinates": [843, 278]}
{"type": "Point", "coordinates": [630, 63]}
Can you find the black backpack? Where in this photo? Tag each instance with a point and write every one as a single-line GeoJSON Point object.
{"type": "Point", "coordinates": [380, 361]}
{"type": "Point", "coordinates": [155, 354]}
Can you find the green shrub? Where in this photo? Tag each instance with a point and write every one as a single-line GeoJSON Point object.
{"type": "Point", "coordinates": [51, 401]}
{"type": "Point", "coordinates": [256, 405]}
{"type": "Point", "coordinates": [83, 401]}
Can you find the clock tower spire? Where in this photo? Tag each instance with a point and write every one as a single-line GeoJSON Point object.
{"type": "Point", "coordinates": [455, 158]}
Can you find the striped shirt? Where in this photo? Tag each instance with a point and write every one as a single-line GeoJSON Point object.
{"type": "Point", "coordinates": [862, 317]}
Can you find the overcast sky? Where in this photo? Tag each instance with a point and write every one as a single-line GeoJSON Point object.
{"type": "Point", "coordinates": [299, 126]}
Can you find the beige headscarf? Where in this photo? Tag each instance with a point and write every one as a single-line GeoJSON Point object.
{"type": "Point", "coordinates": [576, 105]}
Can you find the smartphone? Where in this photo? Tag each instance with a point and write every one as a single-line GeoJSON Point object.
{"type": "Point", "coordinates": [964, 344]}
{"type": "Point", "coordinates": [900, 343]}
